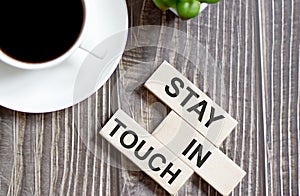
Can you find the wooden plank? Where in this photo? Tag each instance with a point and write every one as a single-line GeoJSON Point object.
{"type": "Point", "coordinates": [146, 152]}
{"type": "Point", "coordinates": [280, 26]}
{"type": "Point", "coordinates": [232, 39]}
{"type": "Point", "coordinates": [7, 147]}
{"type": "Point", "coordinates": [189, 102]}
{"type": "Point", "coordinates": [199, 153]}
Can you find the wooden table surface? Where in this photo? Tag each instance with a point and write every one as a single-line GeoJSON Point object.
{"type": "Point", "coordinates": [255, 42]}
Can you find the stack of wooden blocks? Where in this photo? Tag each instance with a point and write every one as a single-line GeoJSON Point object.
{"type": "Point", "coordinates": [185, 142]}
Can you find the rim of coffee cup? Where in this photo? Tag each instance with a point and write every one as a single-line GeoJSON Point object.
{"type": "Point", "coordinates": [47, 64]}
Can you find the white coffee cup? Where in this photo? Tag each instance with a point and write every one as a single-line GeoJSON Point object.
{"type": "Point", "coordinates": [87, 5]}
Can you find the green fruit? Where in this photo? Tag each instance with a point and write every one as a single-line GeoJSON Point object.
{"type": "Point", "coordinates": [164, 4]}
{"type": "Point", "coordinates": [161, 5]}
{"type": "Point", "coordinates": [187, 9]}
{"type": "Point", "coordinates": [209, 1]}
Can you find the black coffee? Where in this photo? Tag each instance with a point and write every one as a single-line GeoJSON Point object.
{"type": "Point", "coordinates": [36, 31]}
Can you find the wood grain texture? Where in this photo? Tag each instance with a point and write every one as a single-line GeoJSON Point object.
{"type": "Point", "coordinates": [280, 26]}
{"type": "Point", "coordinates": [256, 46]}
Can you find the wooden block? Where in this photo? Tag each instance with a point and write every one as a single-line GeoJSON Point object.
{"type": "Point", "coordinates": [146, 152]}
{"type": "Point", "coordinates": [200, 154]}
{"type": "Point", "coordinates": [191, 103]}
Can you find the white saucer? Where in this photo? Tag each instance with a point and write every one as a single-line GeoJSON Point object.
{"type": "Point", "coordinates": [53, 89]}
